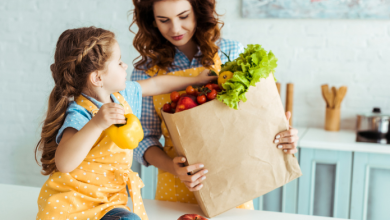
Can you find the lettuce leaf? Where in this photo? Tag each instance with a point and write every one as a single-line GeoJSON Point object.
{"type": "Point", "coordinates": [251, 66]}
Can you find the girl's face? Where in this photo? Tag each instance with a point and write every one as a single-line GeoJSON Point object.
{"type": "Point", "coordinates": [176, 21]}
{"type": "Point", "coordinates": [114, 75]}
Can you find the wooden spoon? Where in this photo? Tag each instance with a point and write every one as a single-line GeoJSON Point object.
{"type": "Point", "coordinates": [325, 93]}
{"type": "Point", "coordinates": [340, 96]}
{"type": "Point", "coordinates": [333, 96]}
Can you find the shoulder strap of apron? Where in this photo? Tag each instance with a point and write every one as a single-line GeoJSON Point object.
{"type": "Point", "coordinates": [156, 71]}
{"type": "Point", "coordinates": [93, 109]}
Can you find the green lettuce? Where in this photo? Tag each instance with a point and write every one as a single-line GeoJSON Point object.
{"type": "Point", "coordinates": [252, 65]}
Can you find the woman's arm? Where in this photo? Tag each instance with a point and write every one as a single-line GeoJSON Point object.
{"type": "Point", "coordinates": [166, 84]}
{"type": "Point", "coordinates": [155, 156]}
{"type": "Point", "coordinates": [150, 151]}
{"type": "Point", "coordinates": [151, 123]}
{"type": "Point", "coordinates": [287, 140]}
{"type": "Point", "coordinates": [158, 158]}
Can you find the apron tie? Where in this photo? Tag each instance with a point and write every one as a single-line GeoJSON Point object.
{"type": "Point", "coordinates": [135, 184]}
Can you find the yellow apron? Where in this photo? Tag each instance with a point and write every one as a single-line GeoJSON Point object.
{"type": "Point", "coordinates": [170, 187]}
{"type": "Point", "coordinates": [97, 185]}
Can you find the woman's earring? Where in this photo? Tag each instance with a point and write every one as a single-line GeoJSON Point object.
{"type": "Point", "coordinates": [102, 85]}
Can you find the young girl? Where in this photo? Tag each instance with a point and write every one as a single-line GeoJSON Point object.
{"type": "Point", "coordinates": [88, 172]}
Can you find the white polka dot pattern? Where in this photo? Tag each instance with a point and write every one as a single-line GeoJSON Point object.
{"type": "Point", "coordinates": [97, 185]}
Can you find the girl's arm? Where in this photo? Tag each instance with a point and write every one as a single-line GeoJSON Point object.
{"type": "Point", "coordinates": [166, 84]}
{"type": "Point", "coordinates": [75, 145]}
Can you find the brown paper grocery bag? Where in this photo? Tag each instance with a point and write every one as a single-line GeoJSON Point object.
{"type": "Point", "coordinates": [236, 146]}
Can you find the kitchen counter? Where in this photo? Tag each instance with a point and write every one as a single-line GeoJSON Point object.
{"type": "Point", "coordinates": [343, 140]}
{"type": "Point", "coordinates": [20, 202]}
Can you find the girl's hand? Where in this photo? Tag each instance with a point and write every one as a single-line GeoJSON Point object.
{"type": "Point", "coordinates": [192, 181]}
{"type": "Point", "coordinates": [108, 114]}
{"type": "Point", "coordinates": [287, 140]}
{"type": "Point", "coordinates": [204, 77]}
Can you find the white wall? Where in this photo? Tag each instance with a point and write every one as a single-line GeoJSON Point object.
{"type": "Point", "coordinates": [310, 52]}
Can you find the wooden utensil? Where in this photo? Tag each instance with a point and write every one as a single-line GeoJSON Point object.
{"type": "Point", "coordinates": [332, 95]}
{"type": "Point", "coordinates": [278, 86]}
{"type": "Point", "coordinates": [325, 92]}
{"type": "Point", "coordinates": [289, 99]}
{"type": "Point", "coordinates": [342, 91]}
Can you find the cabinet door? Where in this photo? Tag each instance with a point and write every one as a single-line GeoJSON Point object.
{"type": "Point", "coordinates": [149, 177]}
{"type": "Point", "coordinates": [370, 186]}
{"type": "Point", "coordinates": [324, 187]}
{"type": "Point", "coordinates": [282, 199]}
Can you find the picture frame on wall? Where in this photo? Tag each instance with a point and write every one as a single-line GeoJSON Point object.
{"type": "Point", "coordinates": [316, 9]}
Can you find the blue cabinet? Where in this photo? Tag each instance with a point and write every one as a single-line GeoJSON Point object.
{"type": "Point", "coordinates": [282, 199]}
{"type": "Point", "coordinates": [335, 183]}
{"type": "Point", "coordinates": [324, 187]}
{"type": "Point", "coordinates": [371, 186]}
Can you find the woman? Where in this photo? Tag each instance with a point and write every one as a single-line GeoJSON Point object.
{"type": "Point", "coordinates": [180, 37]}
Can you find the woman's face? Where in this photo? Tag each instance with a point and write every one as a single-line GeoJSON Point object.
{"type": "Point", "coordinates": [176, 21]}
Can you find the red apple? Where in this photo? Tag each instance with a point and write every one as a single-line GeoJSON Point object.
{"type": "Point", "coordinates": [193, 97]}
{"type": "Point", "coordinates": [185, 103]}
{"type": "Point", "coordinates": [191, 217]}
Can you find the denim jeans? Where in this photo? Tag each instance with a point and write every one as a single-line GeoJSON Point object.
{"type": "Point", "coordinates": [120, 214]}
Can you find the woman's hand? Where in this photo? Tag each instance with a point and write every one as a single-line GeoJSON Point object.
{"type": "Point", "coordinates": [287, 140]}
{"type": "Point", "coordinates": [204, 78]}
{"type": "Point", "coordinates": [108, 114]}
{"type": "Point", "coordinates": [192, 181]}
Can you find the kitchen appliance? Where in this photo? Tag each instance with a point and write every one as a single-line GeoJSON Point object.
{"type": "Point", "coordinates": [373, 127]}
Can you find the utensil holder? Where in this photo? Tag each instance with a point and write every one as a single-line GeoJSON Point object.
{"type": "Point", "coordinates": [332, 119]}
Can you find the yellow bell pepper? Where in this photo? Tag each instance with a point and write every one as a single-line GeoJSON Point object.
{"type": "Point", "coordinates": [223, 77]}
{"type": "Point", "coordinates": [127, 136]}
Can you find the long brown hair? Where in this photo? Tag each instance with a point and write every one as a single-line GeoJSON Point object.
{"type": "Point", "coordinates": [79, 52]}
{"type": "Point", "coordinates": [150, 43]}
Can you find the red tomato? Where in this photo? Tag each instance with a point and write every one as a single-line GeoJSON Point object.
{"type": "Point", "coordinates": [196, 93]}
{"type": "Point", "coordinates": [190, 90]}
{"type": "Point", "coordinates": [209, 86]}
{"type": "Point", "coordinates": [173, 105]}
{"type": "Point", "coordinates": [211, 95]}
{"type": "Point", "coordinates": [215, 86]}
{"type": "Point", "coordinates": [201, 99]}
{"type": "Point", "coordinates": [167, 107]}
{"type": "Point", "coordinates": [175, 96]}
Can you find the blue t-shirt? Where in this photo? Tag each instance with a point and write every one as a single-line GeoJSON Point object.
{"type": "Point", "coordinates": [76, 116]}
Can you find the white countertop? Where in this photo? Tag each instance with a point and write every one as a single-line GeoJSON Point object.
{"type": "Point", "coordinates": [343, 140]}
{"type": "Point", "coordinates": [20, 202]}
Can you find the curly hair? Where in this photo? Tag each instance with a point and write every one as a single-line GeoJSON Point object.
{"type": "Point", "coordinates": [154, 49]}
{"type": "Point", "coordinates": [79, 52]}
